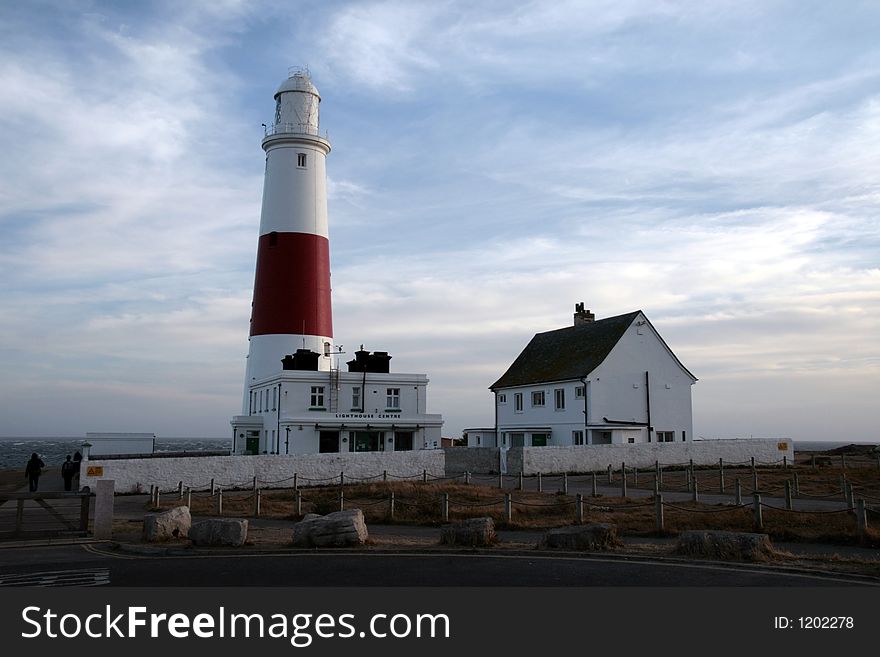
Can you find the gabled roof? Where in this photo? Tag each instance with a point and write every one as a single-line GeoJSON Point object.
{"type": "Point", "coordinates": [566, 353]}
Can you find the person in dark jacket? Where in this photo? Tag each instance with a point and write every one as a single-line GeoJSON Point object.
{"type": "Point", "coordinates": [33, 470]}
{"type": "Point", "coordinates": [68, 471]}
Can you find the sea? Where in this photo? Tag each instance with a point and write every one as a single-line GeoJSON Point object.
{"type": "Point", "coordinates": [15, 452]}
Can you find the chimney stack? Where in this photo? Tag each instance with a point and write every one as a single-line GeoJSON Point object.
{"type": "Point", "coordinates": [582, 316]}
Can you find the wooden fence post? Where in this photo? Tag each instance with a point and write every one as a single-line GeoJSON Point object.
{"type": "Point", "coordinates": [341, 500]}
{"type": "Point", "coordinates": [610, 478]}
{"type": "Point", "coordinates": [759, 517]}
{"type": "Point", "coordinates": [721, 476]}
{"type": "Point", "coordinates": [696, 494]}
{"type": "Point", "coordinates": [295, 481]}
{"type": "Point", "coordinates": [189, 497]}
{"type": "Point", "coordinates": [258, 499]}
{"type": "Point", "coordinates": [622, 481]}
{"type": "Point", "coordinates": [445, 507]}
{"type": "Point", "coordinates": [797, 485]}
{"type": "Point", "coordinates": [424, 476]}
{"type": "Point", "coordinates": [862, 516]}
{"type": "Point", "coordinates": [219, 501]}
{"type": "Point", "coordinates": [658, 513]}
{"type": "Point", "coordinates": [519, 485]}
{"type": "Point", "coordinates": [299, 502]}
{"type": "Point", "coordinates": [467, 477]}
{"type": "Point", "coordinates": [788, 504]}
{"type": "Point", "coordinates": [213, 489]}
{"type": "Point", "coordinates": [508, 507]}
{"type": "Point", "coordinates": [754, 480]}
{"type": "Point", "coordinates": [180, 490]}
{"type": "Point", "coordinates": [255, 484]}
{"type": "Point", "coordinates": [391, 506]}
{"type": "Point", "coordinates": [342, 478]}
{"type": "Point", "coordinates": [540, 483]}
{"type": "Point", "coordinates": [738, 492]}
{"type": "Point", "coordinates": [580, 509]}
{"type": "Point", "coordinates": [595, 492]}
{"type": "Point", "coordinates": [384, 475]}
{"type": "Point", "coordinates": [565, 483]}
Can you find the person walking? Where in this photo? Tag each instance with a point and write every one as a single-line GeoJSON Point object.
{"type": "Point", "coordinates": [33, 470]}
{"type": "Point", "coordinates": [68, 470]}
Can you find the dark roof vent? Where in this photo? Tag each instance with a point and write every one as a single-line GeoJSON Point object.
{"type": "Point", "coordinates": [303, 360]}
{"type": "Point", "coordinates": [378, 362]}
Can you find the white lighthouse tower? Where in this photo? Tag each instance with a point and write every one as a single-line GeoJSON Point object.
{"type": "Point", "coordinates": [296, 399]}
{"type": "Point", "coordinates": [291, 305]}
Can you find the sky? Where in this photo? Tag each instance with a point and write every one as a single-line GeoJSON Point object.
{"type": "Point", "coordinates": [714, 164]}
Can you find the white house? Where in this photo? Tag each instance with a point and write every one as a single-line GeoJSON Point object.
{"type": "Point", "coordinates": [598, 382]}
{"type": "Point", "coordinates": [303, 410]}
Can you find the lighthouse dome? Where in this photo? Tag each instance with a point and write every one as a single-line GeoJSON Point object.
{"type": "Point", "coordinates": [298, 80]}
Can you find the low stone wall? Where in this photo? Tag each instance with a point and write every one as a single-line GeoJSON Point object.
{"type": "Point", "coordinates": [196, 472]}
{"type": "Point", "coordinates": [470, 459]}
{"type": "Point", "coordinates": [550, 460]}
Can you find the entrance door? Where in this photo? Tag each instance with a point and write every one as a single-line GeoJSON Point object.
{"type": "Point", "coordinates": [328, 442]}
{"type": "Point", "coordinates": [252, 443]}
{"type": "Point", "coordinates": [367, 441]}
{"type": "Point", "coordinates": [403, 441]}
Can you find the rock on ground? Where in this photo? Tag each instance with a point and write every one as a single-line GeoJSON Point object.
{"type": "Point", "coordinates": [734, 546]}
{"type": "Point", "coordinates": [338, 529]}
{"type": "Point", "coordinates": [475, 532]}
{"type": "Point", "coordinates": [595, 536]}
{"type": "Point", "coordinates": [219, 531]}
{"type": "Point", "coordinates": [165, 525]}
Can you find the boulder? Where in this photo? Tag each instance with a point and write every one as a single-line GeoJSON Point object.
{"type": "Point", "coordinates": [219, 531]}
{"type": "Point", "coordinates": [474, 532]}
{"type": "Point", "coordinates": [731, 546]}
{"type": "Point", "coordinates": [595, 536]}
{"type": "Point", "coordinates": [165, 525]}
{"type": "Point", "coordinates": [338, 529]}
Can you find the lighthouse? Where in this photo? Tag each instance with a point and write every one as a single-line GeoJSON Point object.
{"type": "Point", "coordinates": [291, 305]}
{"type": "Point", "coordinates": [296, 398]}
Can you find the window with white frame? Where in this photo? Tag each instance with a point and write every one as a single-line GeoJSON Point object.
{"type": "Point", "coordinates": [317, 398]}
{"type": "Point", "coordinates": [559, 399]}
{"type": "Point", "coordinates": [579, 392]}
{"type": "Point", "coordinates": [577, 437]}
{"type": "Point", "coordinates": [517, 402]}
{"type": "Point", "coordinates": [538, 398]}
{"type": "Point", "coordinates": [356, 398]}
{"type": "Point", "coordinates": [665, 436]}
{"type": "Point", "coordinates": [392, 398]}
{"type": "Point", "coordinates": [502, 398]}
{"type": "Point", "coordinates": [301, 160]}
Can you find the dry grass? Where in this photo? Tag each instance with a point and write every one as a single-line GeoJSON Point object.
{"type": "Point", "coordinates": [421, 504]}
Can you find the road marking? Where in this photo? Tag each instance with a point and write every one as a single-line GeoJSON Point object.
{"type": "Point", "coordinates": [81, 577]}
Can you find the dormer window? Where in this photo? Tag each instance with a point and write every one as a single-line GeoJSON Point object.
{"type": "Point", "coordinates": [301, 160]}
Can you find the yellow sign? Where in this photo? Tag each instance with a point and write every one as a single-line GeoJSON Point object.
{"type": "Point", "coordinates": [95, 471]}
{"type": "Point", "coordinates": [782, 447]}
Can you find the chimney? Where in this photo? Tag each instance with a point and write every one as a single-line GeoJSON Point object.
{"type": "Point", "coordinates": [582, 316]}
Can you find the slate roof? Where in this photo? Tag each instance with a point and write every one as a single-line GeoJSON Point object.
{"type": "Point", "coordinates": [566, 353]}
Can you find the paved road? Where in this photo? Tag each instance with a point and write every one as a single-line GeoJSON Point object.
{"type": "Point", "coordinates": [93, 564]}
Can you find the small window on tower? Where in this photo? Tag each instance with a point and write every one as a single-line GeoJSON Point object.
{"type": "Point", "coordinates": [301, 160]}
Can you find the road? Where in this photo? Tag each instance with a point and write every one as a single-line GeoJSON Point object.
{"type": "Point", "coordinates": [100, 564]}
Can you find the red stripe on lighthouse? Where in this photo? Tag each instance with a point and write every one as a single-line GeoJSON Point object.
{"type": "Point", "coordinates": [292, 286]}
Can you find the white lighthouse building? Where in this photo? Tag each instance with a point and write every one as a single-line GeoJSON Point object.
{"type": "Point", "coordinates": [296, 399]}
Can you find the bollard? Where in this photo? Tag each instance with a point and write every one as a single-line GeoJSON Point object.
{"type": "Point", "coordinates": [295, 481]}
{"type": "Point", "coordinates": [180, 490]}
{"type": "Point", "coordinates": [299, 502]}
{"type": "Point", "coordinates": [258, 499]}
{"type": "Point", "coordinates": [565, 483]}
{"type": "Point", "coordinates": [508, 507]}
{"type": "Point", "coordinates": [444, 508]}
{"type": "Point", "coordinates": [595, 493]}
{"type": "Point", "coordinates": [610, 478]}
{"type": "Point", "coordinates": [797, 485]}
{"type": "Point", "coordinates": [721, 476]}
{"type": "Point", "coordinates": [540, 483]}
{"type": "Point", "coordinates": [391, 506]}
{"type": "Point", "coordinates": [341, 500]}
{"type": "Point", "coordinates": [580, 509]}
{"type": "Point", "coordinates": [519, 486]}
{"type": "Point", "coordinates": [738, 494]}
{"type": "Point", "coordinates": [424, 476]}
{"type": "Point", "coordinates": [658, 513]}
{"type": "Point", "coordinates": [759, 518]}
{"type": "Point", "coordinates": [788, 504]}
{"type": "Point", "coordinates": [189, 497]}
{"type": "Point", "coordinates": [213, 490]}
{"type": "Point", "coordinates": [384, 475]}
{"type": "Point", "coordinates": [862, 517]}
{"type": "Point", "coordinates": [219, 501]}
{"type": "Point", "coordinates": [696, 494]}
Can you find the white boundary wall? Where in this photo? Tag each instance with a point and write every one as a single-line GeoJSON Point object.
{"type": "Point", "coordinates": [137, 475]}
{"type": "Point", "coordinates": [549, 460]}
